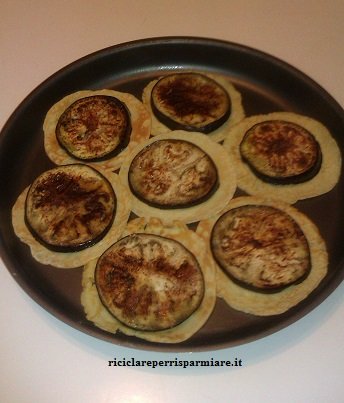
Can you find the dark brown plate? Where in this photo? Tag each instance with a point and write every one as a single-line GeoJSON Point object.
{"type": "Point", "coordinates": [267, 85]}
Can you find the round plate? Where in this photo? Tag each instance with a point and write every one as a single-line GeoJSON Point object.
{"type": "Point", "coordinates": [267, 85]}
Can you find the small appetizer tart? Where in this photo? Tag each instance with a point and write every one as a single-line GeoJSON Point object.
{"type": "Point", "coordinates": [70, 214]}
{"type": "Point", "coordinates": [149, 282]}
{"type": "Point", "coordinates": [288, 156]}
{"type": "Point", "coordinates": [281, 152]}
{"type": "Point", "coordinates": [70, 207]}
{"type": "Point", "coordinates": [172, 173]}
{"type": "Point", "coordinates": [269, 256]}
{"type": "Point", "coordinates": [95, 126]}
{"type": "Point", "coordinates": [260, 247]}
{"type": "Point", "coordinates": [193, 101]}
{"type": "Point", "coordinates": [173, 178]}
{"type": "Point", "coordinates": [156, 283]}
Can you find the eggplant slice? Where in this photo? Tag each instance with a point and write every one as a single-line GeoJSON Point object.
{"type": "Point", "coordinates": [261, 248]}
{"type": "Point", "coordinates": [149, 282]}
{"type": "Point", "coordinates": [281, 152]}
{"type": "Point", "coordinates": [191, 102]}
{"type": "Point", "coordinates": [94, 128]}
{"type": "Point", "coordinates": [172, 174]}
{"type": "Point", "coordinates": [70, 208]}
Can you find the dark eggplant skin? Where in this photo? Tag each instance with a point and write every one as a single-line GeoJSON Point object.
{"type": "Point", "coordinates": [171, 206]}
{"type": "Point", "coordinates": [112, 153]}
{"type": "Point", "coordinates": [68, 249]}
{"type": "Point", "coordinates": [272, 290]}
{"type": "Point", "coordinates": [181, 101]}
{"type": "Point", "coordinates": [303, 177]}
{"type": "Point", "coordinates": [128, 281]}
{"type": "Point", "coordinates": [80, 246]}
{"type": "Point", "coordinates": [248, 286]}
{"type": "Point", "coordinates": [292, 180]}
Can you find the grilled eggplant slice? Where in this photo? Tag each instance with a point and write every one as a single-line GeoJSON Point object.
{"type": "Point", "coordinates": [261, 248]}
{"type": "Point", "coordinates": [172, 174]}
{"type": "Point", "coordinates": [70, 208]}
{"type": "Point", "coordinates": [94, 128]}
{"type": "Point", "coordinates": [281, 152]}
{"type": "Point", "coordinates": [191, 102]}
{"type": "Point", "coordinates": [149, 282]}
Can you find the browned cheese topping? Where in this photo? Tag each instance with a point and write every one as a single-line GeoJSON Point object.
{"type": "Point", "coordinates": [261, 247]}
{"type": "Point", "coordinates": [149, 282]}
{"type": "Point", "coordinates": [172, 173]}
{"type": "Point", "coordinates": [191, 100]}
{"type": "Point", "coordinates": [281, 150]}
{"type": "Point", "coordinates": [94, 127]}
{"type": "Point", "coordinates": [70, 207]}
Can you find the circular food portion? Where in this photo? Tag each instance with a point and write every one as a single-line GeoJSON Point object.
{"type": "Point", "coordinates": [172, 173]}
{"type": "Point", "coordinates": [96, 130]}
{"type": "Point", "coordinates": [94, 127]}
{"type": "Point", "coordinates": [281, 152]}
{"type": "Point", "coordinates": [261, 247]}
{"type": "Point", "coordinates": [97, 313]}
{"type": "Point", "coordinates": [149, 282]}
{"type": "Point", "coordinates": [191, 102]}
{"type": "Point", "coordinates": [255, 301]}
{"type": "Point", "coordinates": [300, 161]}
{"type": "Point", "coordinates": [162, 124]}
{"type": "Point", "coordinates": [69, 208]}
